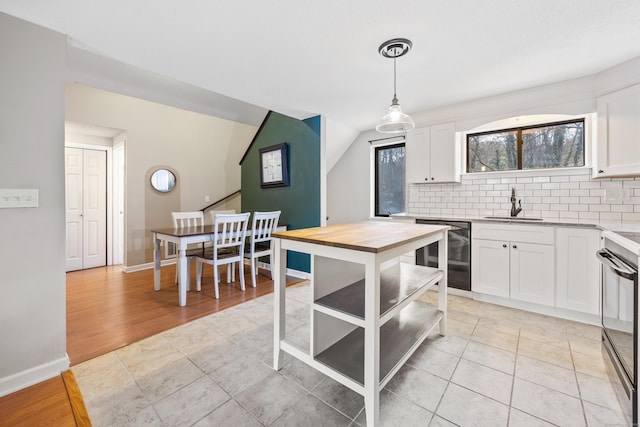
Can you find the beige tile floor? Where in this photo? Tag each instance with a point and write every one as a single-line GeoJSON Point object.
{"type": "Point", "coordinates": [496, 367]}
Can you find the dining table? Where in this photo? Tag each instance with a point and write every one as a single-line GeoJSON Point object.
{"type": "Point", "coordinates": [182, 237]}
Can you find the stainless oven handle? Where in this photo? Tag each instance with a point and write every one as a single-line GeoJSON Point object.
{"type": "Point", "coordinates": [619, 267]}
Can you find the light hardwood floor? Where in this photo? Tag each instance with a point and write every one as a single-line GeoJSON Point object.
{"type": "Point", "coordinates": [108, 309]}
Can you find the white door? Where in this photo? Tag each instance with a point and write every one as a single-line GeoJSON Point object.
{"type": "Point", "coordinates": [86, 200]}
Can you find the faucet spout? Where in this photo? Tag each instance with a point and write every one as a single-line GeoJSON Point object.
{"type": "Point", "coordinates": [515, 210]}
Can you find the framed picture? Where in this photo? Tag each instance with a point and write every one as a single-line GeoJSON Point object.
{"type": "Point", "coordinates": [274, 170]}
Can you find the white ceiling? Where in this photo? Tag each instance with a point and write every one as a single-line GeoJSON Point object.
{"type": "Point", "coordinates": [303, 57]}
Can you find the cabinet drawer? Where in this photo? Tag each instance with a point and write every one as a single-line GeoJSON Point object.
{"type": "Point", "coordinates": [513, 233]}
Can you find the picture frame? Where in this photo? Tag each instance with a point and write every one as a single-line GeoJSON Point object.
{"type": "Point", "coordinates": [274, 166]}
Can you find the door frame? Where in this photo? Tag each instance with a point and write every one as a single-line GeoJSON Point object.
{"type": "Point", "coordinates": [110, 195]}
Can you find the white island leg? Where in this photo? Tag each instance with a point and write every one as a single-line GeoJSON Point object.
{"type": "Point", "coordinates": [443, 251]}
{"type": "Point", "coordinates": [279, 267]}
{"type": "Point", "coordinates": [372, 343]}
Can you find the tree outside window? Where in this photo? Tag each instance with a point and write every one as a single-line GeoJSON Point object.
{"type": "Point", "coordinates": [552, 145]}
{"type": "Point", "coordinates": [389, 179]}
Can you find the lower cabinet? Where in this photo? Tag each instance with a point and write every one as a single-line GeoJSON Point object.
{"type": "Point", "coordinates": [578, 270]}
{"type": "Point", "coordinates": [511, 269]}
{"type": "Point", "coordinates": [551, 266]}
{"type": "Point", "coordinates": [532, 272]}
{"type": "Point", "coordinates": [490, 267]}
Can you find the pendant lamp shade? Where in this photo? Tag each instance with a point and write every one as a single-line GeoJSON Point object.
{"type": "Point", "coordinates": [395, 121]}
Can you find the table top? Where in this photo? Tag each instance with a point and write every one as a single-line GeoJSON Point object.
{"type": "Point", "coordinates": [185, 231]}
{"type": "Point", "coordinates": [368, 236]}
{"type": "Point", "coordinates": [192, 231]}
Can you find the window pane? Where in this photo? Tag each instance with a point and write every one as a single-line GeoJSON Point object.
{"type": "Point", "coordinates": [493, 152]}
{"type": "Point", "coordinates": [389, 180]}
{"type": "Point", "coordinates": [555, 146]}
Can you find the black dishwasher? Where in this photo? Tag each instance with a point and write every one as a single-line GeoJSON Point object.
{"type": "Point", "coordinates": [459, 259]}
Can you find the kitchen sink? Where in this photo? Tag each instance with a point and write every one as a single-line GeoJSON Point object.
{"type": "Point", "coordinates": [514, 218]}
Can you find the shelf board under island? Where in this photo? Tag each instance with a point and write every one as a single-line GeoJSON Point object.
{"type": "Point", "coordinates": [366, 320]}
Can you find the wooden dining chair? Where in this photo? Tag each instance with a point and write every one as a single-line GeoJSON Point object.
{"type": "Point", "coordinates": [188, 219]}
{"type": "Point", "coordinates": [230, 231]}
{"type": "Point", "coordinates": [264, 223]}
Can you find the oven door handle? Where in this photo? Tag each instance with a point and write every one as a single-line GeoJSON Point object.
{"type": "Point", "coordinates": [618, 266]}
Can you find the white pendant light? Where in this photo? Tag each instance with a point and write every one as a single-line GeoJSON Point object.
{"type": "Point", "coordinates": [395, 121]}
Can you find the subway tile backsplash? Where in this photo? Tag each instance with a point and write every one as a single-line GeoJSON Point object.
{"type": "Point", "coordinates": [570, 195]}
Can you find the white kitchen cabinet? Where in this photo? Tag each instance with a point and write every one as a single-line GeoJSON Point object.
{"type": "Point", "coordinates": [432, 154]}
{"type": "Point", "coordinates": [513, 261]}
{"type": "Point", "coordinates": [578, 270]}
{"type": "Point", "coordinates": [532, 272]}
{"type": "Point", "coordinates": [618, 144]}
{"type": "Point", "coordinates": [490, 267]}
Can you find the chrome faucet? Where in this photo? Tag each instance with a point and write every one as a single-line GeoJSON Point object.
{"type": "Point", "coordinates": [515, 211]}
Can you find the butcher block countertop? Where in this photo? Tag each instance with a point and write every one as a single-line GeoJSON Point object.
{"type": "Point", "coordinates": [369, 236]}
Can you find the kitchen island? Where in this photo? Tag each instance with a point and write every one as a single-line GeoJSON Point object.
{"type": "Point", "coordinates": [366, 320]}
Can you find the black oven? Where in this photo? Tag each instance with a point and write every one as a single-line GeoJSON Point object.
{"type": "Point", "coordinates": [620, 320]}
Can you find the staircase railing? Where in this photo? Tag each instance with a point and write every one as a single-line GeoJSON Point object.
{"type": "Point", "coordinates": [217, 202]}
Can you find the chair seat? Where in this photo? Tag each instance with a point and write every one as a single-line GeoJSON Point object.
{"type": "Point", "coordinates": [222, 253]}
{"type": "Point", "coordinates": [204, 252]}
{"type": "Point", "coordinates": [259, 247]}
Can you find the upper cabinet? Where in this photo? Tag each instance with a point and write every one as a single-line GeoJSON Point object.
{"type": "Point", "coordinates": [618, 152]}
{"type": "Point", "coordinates": [432, 155]}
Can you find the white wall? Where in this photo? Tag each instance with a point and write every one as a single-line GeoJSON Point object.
{"type": "Point", "coordinates": [32, 262]}
{"type": "Point", "coordinates": [349, 181]}
{"type": "Point", "coordinates": [204, 152]}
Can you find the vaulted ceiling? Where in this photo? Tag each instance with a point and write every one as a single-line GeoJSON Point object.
{"type": "Point", "coordinates": [302, 57]}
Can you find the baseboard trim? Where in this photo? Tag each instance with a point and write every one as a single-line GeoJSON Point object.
{"type": "Point", "coordinates": [32, 376]}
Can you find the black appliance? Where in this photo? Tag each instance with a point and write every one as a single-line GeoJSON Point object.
{"type": "Point", "coordinates": [459, 257]}
{"type": "Point", "coordinates": [620, 319]}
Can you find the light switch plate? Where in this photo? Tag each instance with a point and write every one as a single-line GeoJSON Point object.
{"type": "Point", "coordinates": [18, 197]}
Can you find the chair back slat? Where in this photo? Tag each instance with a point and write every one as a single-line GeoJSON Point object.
{"type": "Point", "coordinates": [220, 211]}
{"type": "Point", "coordinates": [187, 219]}
{"type": "Point", "coordinates": [264, 223]}
{"type": "Point", "coordinates": [231, 230]}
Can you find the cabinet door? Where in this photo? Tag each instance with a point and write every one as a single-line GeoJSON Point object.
{"type": "Point", "coordinates": [578, 271]}
{"type": "Point", "coordinates": [443, 156]}
{"type": "Point", "coordinates": [417, 155]}
{"type": "Point", "coordinates": [619, 133]}
{"type": "Point", "coordinates": [533, 273]}
{"type": "Point", "coordinates": [490, 267]}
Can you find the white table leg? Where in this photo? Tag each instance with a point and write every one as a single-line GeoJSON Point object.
{"type": "Point", "coordinates": [279, 284]}
{"type": "Point", "coordinates": [182, 280]}
{"type": "Point", "coordinates": [156, 263]}
{"type": "Point", "coordinates": [443, 251]}
{"type": "Point", "coordinates": [372, 343]}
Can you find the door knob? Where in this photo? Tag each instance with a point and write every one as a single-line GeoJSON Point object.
{"type": "Point", "coordinates": [504, 245]}
{"type": "Point", "coordinates": [515, 247]}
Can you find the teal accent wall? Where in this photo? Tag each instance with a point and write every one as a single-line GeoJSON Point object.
{"type": "Point", "coordinates": [300, 201]}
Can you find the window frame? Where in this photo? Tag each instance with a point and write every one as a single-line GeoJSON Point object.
{"type": "Point", "coordinates": [375, 149]}
{"type": "Point", "coordinates": [519, 143]}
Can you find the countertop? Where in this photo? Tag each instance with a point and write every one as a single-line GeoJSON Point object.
{"type": "Point", "coordinates": [611, 230]}
{"type": "Point", "coordinates": [505, 219]}
{"type": "Point", "coordinates": [369, 236]}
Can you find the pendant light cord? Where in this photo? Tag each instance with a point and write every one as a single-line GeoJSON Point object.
{"type": "Point", "coordinates": [394, 77]}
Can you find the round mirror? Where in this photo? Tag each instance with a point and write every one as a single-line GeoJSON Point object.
{"type": "Point", "coordinates": [163, 180]}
